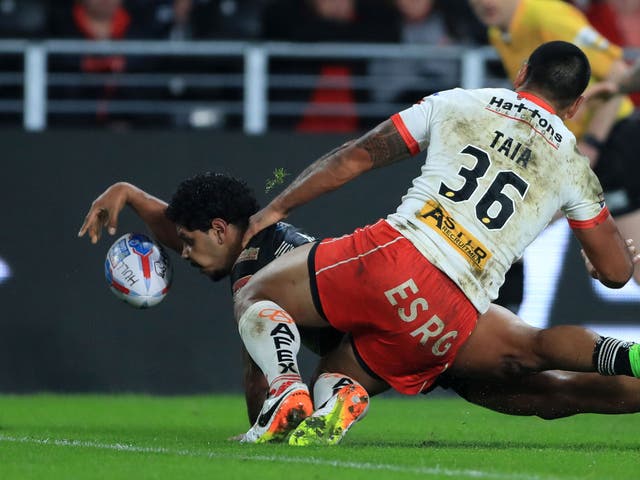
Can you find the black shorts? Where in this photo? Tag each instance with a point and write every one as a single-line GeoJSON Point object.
{"type": "Point", "coordinates": [618, 167]}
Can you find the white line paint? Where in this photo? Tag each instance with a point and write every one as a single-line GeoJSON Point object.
{"type": "Point", "coordinates": [307, 460]}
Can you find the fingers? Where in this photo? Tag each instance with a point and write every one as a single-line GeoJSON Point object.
{"type": "Point", "coordinates": [95, 220]}
{"type": "Point", "coordinates": [635, 256]}
{"type": "Point", "coordinates": [113, 225]}
{"type": "Point", "coordinates": [89, 225]}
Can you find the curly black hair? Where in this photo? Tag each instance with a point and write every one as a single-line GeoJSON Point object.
{"type": "Point", "coordinates": [206, 196]}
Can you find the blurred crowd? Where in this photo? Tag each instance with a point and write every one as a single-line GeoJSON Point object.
{"type": "Point", "coordinates": [296, 20]}
{"type": "Point", "coordinates": [422, 22]}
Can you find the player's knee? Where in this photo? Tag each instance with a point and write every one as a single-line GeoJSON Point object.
{"type": "Point", "coordinates": [528, 357]}
{"type": "Point", "coordinates": [244, 298]}
{"type": "Point", "coordinates": [518, 366]}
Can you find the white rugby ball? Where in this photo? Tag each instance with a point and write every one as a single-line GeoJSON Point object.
{"type": "Point", "coordinates": [138, 270]}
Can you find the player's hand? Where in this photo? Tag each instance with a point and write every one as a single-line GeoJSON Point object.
{"type": "Point", "coordinates": [104, 212]}
{"type": "Point", "coordinates": [601, 91]}
{"type": "Point", "coordinates": [259, 221]}
{"type": "Point", "coordinates": [635, 258]}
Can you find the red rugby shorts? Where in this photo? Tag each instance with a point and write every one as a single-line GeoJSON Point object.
{"type": "Point", "coordinates": [407, 319]}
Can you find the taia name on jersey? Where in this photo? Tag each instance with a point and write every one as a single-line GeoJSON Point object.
{"type": "Point", "coordinates": [531, 116]}
{"type": "Point", "coordinates": [510, 148]}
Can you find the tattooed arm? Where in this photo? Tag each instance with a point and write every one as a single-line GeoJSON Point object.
{"type": "Point", "coordinates": [379, 147]}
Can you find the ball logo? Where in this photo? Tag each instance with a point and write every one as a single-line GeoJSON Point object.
{"type": "Point", "coordinates": [160, 268]}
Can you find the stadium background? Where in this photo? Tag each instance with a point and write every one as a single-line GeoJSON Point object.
{"type": "Point", "coordinates": [60, 328]}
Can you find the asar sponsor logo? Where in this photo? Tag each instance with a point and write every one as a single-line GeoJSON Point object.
{"type": "Point", "coordinates": [435, 216]}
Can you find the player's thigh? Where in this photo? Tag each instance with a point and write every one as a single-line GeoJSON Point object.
{"type": "Point", "coordinates": [500, 346]}
{"type": "Point", "coordinates": [629, 225]}
{"type": "Point", "coordinates": [284, 281]}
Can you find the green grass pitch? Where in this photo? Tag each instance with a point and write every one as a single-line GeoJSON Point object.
{"type": "Point", "coordinates": [139, 437]}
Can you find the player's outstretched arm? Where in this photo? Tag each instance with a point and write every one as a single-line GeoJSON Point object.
{"type": "Point", "coordinates": [610, 259]}
{"type": "Point", "coordinates": [379, 147]}
{"type": "Point", "coordinates": [106, 208]}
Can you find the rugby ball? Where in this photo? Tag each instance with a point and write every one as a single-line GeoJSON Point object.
{"type": "Point", "coordinates": [138, 270]}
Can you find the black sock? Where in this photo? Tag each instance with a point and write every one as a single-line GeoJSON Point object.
{"type": "Point", "coordinates": [611, 357]}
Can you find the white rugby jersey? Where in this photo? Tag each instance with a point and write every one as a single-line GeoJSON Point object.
{"type": "Point", "coordinates": [499, 165]}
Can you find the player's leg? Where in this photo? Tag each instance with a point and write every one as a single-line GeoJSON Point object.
{"type": "Point", "coordinates": [629, 225]}
{"type": "Point", "coordinates": [267, 309]}
{"type": "Point", "coordinates": [256, 388]}
{"type": "Point", "coordinates": [503, 346]}
{"type": "Point", "coordinates": [552, 394]}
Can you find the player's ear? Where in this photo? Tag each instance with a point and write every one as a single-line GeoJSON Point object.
{"type": "Point", "coordinates": [219, 229]}
{"type": "Point", "coordinates": [574, 107]}
{"type": "Point", "coordinates": [521, 76]}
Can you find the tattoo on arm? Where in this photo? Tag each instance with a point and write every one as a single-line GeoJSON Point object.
{"type": "Point", "coordinates": [385, 145]}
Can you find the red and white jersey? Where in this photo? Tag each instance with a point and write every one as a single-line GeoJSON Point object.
{"type": "Point", "coordinates": [499, 165]}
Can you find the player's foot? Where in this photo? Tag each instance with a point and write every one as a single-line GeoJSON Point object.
{"type": "Point", "coordinates": [330, 423]}
{"type": "Point", "coordinates": [280, 414]}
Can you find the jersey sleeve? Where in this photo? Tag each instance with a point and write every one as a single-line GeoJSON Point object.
{"type": "Point", "coordinates": [586, 207]}
{"type": "Point", "coordinates": [413, 124]}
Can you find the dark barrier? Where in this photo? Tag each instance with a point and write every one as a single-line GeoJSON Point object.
{"type": "Point", "coordinates": [60, 327]}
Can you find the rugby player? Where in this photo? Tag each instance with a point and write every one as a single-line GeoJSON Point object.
{"type": "Point", "coordinates": [408, 290]}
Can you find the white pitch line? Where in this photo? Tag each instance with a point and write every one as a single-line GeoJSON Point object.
{"type": "Point", "coordinates": [120, 447]}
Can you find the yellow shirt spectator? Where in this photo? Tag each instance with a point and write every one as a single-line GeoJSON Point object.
{"type": "Point", "coordinates": [538, 21]}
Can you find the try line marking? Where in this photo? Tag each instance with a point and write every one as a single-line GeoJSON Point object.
{"type": "Point", "coordinates": [123, 447]}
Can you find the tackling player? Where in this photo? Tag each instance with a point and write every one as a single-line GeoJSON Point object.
{"type": "Point", "coordinates": [409, 289]}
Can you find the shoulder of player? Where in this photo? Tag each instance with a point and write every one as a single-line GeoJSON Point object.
{"type": "Point", "coordinates": [271, 239]}
{"type": "Point", "coordinates": [455, 97]}
{"type": "Point", "coordinates": [287, 232]}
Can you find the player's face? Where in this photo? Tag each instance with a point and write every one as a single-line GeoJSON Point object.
{"type": "Point", "coordinates": [207, 251]}
{"type": "Point", "coordinates": [495, 13]}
